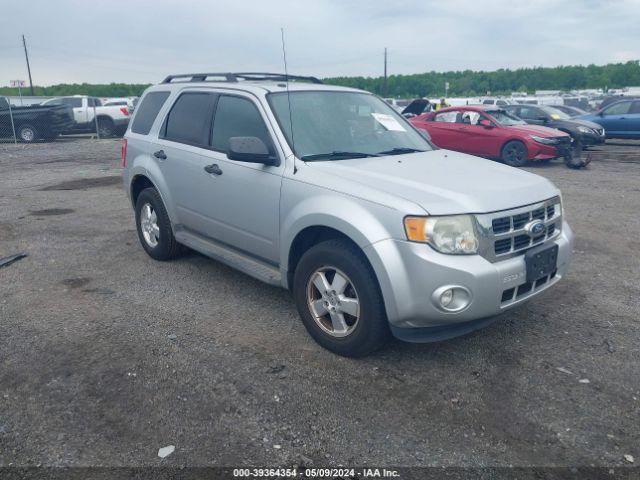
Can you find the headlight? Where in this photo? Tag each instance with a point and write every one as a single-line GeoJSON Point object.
{"type": "Point", "coordinates": [546, 141]}
{"type": "Point", "coordinates": [453, 235]}
{"type": "Point", "coordinates": [585, 129]}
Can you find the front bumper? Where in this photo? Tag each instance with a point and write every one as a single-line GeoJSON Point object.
{"type": "Point", "coordinates": [410, 272]}
{"type": "Point", "coordinates": [540, 151]}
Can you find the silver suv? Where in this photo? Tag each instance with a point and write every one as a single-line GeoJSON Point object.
{"type": "Point", "coordinates": [329, 192]}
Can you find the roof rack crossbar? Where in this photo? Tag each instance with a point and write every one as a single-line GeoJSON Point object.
{"type": "Point", "coordinates": [235, 77]}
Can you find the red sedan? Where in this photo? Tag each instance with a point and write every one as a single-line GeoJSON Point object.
{"type": "Point", "coordinates": [490, 132]}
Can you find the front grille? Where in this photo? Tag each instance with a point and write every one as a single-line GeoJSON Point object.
{"type": "Point", "coordinates": [503, 234]}
{"type": "Point", "coordinates": [501, 225]}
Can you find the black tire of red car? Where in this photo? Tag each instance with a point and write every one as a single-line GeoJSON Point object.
{"type": "Point", "coordinates": [514, 153]}
{"type": "Point", "coordinates": [166, 247]}
{"type": "Point", "coordinates": [27, 133]}
{"type": "Point", "coordinates": [371, 330]}
{"type": "Point", "coordinates": [105, 127]}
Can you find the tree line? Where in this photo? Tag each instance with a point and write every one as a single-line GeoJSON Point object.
{"type": "Point", "coordinates": [469, 83]}
{"type": "Point", "coordinates": [430, 84]}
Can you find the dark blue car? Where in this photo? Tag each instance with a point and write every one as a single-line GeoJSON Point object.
{"type": "Point", "coordinates": [620, 119]}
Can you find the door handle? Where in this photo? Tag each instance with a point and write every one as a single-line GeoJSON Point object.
{"type": "Point", "coordinates": [213, 169]}
{"type": "Point", "coordinates": [160, 154]}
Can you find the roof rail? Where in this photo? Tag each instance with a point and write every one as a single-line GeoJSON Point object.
{"type": "Point", "coordinates": [235, 77]}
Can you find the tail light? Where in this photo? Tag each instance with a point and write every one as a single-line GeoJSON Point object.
{"type": "Point", "coordinates": [124, 152]}
{"type": "Point", "coordinates": [125, 111]}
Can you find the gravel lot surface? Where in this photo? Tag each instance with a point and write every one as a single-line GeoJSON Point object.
{"type": "Point", "coordinates": [107, 356]}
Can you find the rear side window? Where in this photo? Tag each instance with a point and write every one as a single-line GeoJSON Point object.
{"type": "Point", "coordinates": [189, 120]}
{"type": "Point", "coordinates": [148, 111]}
{"type": "Point", "coordinates": [635, 108]}
{"type": "Point", "coordinates": [237, 117]}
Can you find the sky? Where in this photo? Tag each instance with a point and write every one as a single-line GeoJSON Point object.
{"type": "Point", "coordinates": [140, 41]}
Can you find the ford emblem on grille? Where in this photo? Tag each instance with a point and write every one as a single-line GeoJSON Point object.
{"type": "Point", "coordinates": [535, 228]}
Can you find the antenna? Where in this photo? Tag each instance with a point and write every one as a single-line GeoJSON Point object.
{"type": "Point", "coordinates": [286, 72]}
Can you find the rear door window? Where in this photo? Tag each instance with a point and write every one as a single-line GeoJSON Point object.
{"type": "Point", "coordinates": [238, 117]}
{"type": "Point", "coordinates": [621, 108]}
{"type": "Point", "coordinates": [635, 108]}
{"type": "Point", "coordinates": [189, 120]}
{"type": "Point", "coordinates": [148, 111]}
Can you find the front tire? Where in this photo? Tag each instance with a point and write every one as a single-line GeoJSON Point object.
{"type": "Point", "coordinates": [339, 300]}
{"type": "Point", "coordinates": [154, 226]}
{"type": "Point", "coordinates": [514, 153]}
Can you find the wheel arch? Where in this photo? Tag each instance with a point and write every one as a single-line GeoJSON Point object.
{"type": "Point", "coordinates": [306, 239]}
{"type": "Point", "coordinates": [515, 139]}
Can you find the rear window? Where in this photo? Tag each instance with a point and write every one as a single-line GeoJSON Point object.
{"type": "Point", "coordinates": [189, 120]}
{"type": "Point", "coordinates": [148, 111]}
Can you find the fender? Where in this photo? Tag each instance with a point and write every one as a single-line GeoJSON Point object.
{"type": "Point", "coordinates": [364, 227]}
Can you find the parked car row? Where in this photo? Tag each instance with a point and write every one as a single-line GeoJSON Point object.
{"type": "Point", "coordinates": [492, 132]}
{"type": "Point", "coordinates": [518, 133]}
{"type": "Point", "coordinates": [33, 123]}
{"type": "Point", "coordinates": [111, 119]}
{"type": "Point", "coordinates": [64, 115]}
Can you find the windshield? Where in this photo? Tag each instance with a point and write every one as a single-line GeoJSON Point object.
{"type": "Point", "coordinates": [555, 113]}
{"type": "Point", "coordinates": [337, 125]}
{"type": "Point", "coordinates": [506, 119]}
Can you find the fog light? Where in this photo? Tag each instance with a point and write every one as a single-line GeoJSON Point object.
{"type": "Point", "coordinates": [446, 297]}
{"type": "Point", "coordinates": [451, 298]}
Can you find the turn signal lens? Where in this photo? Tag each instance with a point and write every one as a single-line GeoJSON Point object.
{"type": "Point", "coordinates": [416, 228]}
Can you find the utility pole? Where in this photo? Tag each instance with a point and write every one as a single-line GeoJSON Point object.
{"type": "Point", "coordinates": [26, 55]}
{"type": "Point", "coordinates": [384, 88]}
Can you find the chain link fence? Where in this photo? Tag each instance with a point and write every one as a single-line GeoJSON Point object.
{"type": "Point", "coordinates": [45, 119]}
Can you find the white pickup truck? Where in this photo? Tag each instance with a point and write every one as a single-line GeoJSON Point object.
{"type": "Point", "coordinates": [111, 120]}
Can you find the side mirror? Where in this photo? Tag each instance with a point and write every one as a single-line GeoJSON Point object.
{"type": "Point", "coordinates": [409, 115]}
{"type": "Point", "coordinates": [542, 119]}
{"type": "Point", "coordinates": [486, 123]}
{"type": "Point", "coordinates": [251, 150]}
{"type": "Point", "coordinates": [601, 113]}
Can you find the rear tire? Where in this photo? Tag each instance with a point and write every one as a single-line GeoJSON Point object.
{"type": "Point", "coordinates": [154, 226]}
{"type": "Point", "coordinates": [346, 313]}
{"type": "Point", "coordinates": [27, 134]}
{"type": "Point", "coordinates": [514, 153]}
{"type": "Point", "coordinates": [105, 127]}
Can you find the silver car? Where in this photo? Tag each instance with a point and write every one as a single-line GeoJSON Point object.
{"type": "Point", "coordinates": [330, 193]}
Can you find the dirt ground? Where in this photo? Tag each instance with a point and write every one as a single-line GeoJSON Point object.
{"type": "Point", "coordinates": [107, 356]}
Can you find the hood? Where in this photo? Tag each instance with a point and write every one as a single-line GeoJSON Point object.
{"type": "Point", "coordinates": [584, 123]}
{"type": "Point", "coordinates": [442, 182]}
{"type": "Point", "coordinates": [538, 130]}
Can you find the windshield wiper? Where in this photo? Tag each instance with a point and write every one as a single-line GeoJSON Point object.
{"type": "Point", "coordinates": [336, 155]}
{"type": "Point", "coordinates": [400, 151]}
